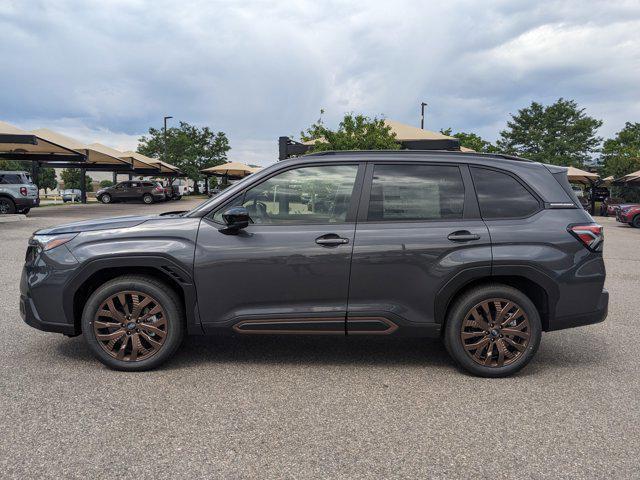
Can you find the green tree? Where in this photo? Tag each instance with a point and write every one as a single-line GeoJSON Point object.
{"type": "Point", "coordinates": [471, 140]}
{"type": "Point", "coordinates": [621, 154]}
{"type": "Point", "coordinates": [354, 132]}
{"type": "Point", "coordinates": [188, 147]}
{"type": "Point", "coordinates": [47, 179]}
{"type": "Point", "coordinates": [71, 179]}
{"type": "Point", "coordinates": [561, 134]}
{"type": "Point", "coordinates": [106, 183]}
{"type": "Point", "coordinates": [13, 165]}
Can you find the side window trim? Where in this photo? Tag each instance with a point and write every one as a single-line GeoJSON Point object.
{"type": "Point", "coordinates": [353, 202]}
{"type": "Point", "coordinates": [517, 179]}
{"type": "Point", "coordinates": [368, 182]}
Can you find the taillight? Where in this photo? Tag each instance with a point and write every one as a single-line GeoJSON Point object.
{"type": "Point", "coordinates": [23, 191]}
{"type": "Point", "coordinates": [591, 235]}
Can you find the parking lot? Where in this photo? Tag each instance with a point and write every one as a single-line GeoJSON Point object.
{"type": "Point", "coordinates": [319, 407]}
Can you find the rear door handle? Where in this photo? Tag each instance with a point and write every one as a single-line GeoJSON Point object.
{"type": "Point", "coordinates": [331, 240]}
{"type": "Point", "coordinates": [463, 236]}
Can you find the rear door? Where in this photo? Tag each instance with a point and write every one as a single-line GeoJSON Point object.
{"type": "Point", "coordinates": [418, 229]}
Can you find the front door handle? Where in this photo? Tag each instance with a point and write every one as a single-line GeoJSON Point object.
{"type": "Point", "coordinates": [463, 236]}
{"type": "Point", "coordinates": [331, 240]}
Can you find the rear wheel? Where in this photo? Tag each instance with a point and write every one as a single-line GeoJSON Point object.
{"type": "Point", "coordinates": [7, 206]}
{"type": "Point", "coordinates": [636, 221]}
{"type": "Point", "coordinates": [147, 198]}
{"type": "Point", "coordinates": [493, 330]}
{"type": "Point", "coordinates": [133, 323]}
{"type": "Point", "coordinates": [106, 198]}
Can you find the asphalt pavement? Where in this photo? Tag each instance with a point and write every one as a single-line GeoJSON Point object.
{"type": "Point", "coordinates": [318, 407]}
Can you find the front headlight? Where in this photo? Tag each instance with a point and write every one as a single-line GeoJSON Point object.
{"type": "Point", "coordinates": [47, 242]}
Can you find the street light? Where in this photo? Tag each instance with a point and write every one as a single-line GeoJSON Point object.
{"type": "Point", "coordinates": [422, 117]}
{"type": "Point", "coordinates": [165, 138]}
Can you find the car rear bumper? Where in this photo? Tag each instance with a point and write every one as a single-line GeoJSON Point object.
{"type": "Point", "coordinates": [597, 316]}
{"type": "Point", "coordinates": [27, 201]}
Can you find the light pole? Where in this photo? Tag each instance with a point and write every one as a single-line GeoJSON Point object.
{"type": "Point", "coordinates": [422, 105]}
{"type": "Point", "coordinates": [165, 138]}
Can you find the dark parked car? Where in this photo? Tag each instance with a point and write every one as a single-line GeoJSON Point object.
{"type": "Point", "coordinates": [144, 190]}
{"type": "Point", "coordinates": [485, 251]}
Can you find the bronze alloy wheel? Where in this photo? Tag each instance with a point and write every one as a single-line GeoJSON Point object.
{"type": "Point", "coordinates": [130, 326]}
{"type": "Point", "coordinates": [495, 332]}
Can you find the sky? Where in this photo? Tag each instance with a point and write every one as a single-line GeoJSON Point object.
{"type": "Point", "coordinates": [106, 71]}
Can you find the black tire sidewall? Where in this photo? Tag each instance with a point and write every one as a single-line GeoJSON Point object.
{"type": "Point", "coordinates": [636, 221]}
{"type": "Point", "coordinates": [163, 294]}
{"type": "Point", "coordinates": [107, 196]}
{"type": "Point", "coordinates": [149, 196]}
{"type": "Point", "coordinates": [11, 206]}
{"type": "Point", "coordinates": [462, 306]}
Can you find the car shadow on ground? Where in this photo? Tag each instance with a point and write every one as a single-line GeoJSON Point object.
{"type": "Point", "coordinates": [556, 351]}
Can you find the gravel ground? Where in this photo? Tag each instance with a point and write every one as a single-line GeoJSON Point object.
{"type": "Point", "coordinates": [313, 407]}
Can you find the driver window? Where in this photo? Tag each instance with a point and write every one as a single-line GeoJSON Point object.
{"type": "Point", "coordinates": [303, 195]}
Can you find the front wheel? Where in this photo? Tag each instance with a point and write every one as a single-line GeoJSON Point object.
{"type": "Point", "coordinates": [106, 198]}
{"type": "Point", "coordinates": [493, 330]}
{"type": "Point", "coordinates": [636, 221]}
{"type": "Point", "coordinates": [133, 323]}
{"type": "Point", "coordinates": [147, 198]}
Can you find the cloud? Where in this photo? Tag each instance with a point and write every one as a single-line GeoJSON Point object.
{"type": "Point", "coordinates": [259, 69]}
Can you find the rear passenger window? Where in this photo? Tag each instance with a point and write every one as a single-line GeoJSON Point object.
{"type": "Point", "coordinates": [416, 192]}
{"type": "Point", "coordinates": [502, 196]}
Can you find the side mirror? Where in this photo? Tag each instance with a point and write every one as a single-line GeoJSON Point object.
{"type": "Point", "coordinates": [235, 219]}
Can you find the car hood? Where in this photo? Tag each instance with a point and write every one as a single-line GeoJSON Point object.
{"type": "Point", "coordinates": [97, 224]}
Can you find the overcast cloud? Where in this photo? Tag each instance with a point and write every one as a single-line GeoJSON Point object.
{"type": "Point", "coordinates": [107, 71]}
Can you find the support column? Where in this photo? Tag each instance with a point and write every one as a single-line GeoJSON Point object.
{"type": "Point", "coordinates": [115, 177]}
{"type": "Point", "coordinates": [206, 185]}
{"type": "Point", "coordinates": [35, 171]}
{"type": "Point", "coordinates": [83, 185]}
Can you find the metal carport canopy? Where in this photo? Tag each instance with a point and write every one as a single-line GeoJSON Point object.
{"type": "Point", "coordinates": [17, 144]}
{"type": "Point", "coordinates": [165, 168]}
{"type": "Point", "coordinates": [139, 167]}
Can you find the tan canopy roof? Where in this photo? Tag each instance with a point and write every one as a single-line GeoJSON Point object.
{"type": "Point", "coordinates": [93, 156]}
{"type": "Point", "coordinates": [632, 177]}
{"type": "Point", "coordinates": [232, 169]}
{"type": "Point", "coordinates": [406, 132]}
{"type": "Point", "coordinates": [136, 163]}
{"type": "Point", "coordinates": [581, 176]}
{"type": "Point", "coordinates": [164, 167]}
{"type": "Point", "coordinates": [43, 145]}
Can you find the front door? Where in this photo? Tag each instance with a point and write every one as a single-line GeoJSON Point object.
{"type": "Point", "coordinates": [418, 229]}
{"type": "Point", "coordinates": [288, 272]}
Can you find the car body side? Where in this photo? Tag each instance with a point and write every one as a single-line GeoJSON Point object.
{"type": "Point", "coordinates": [535, 254]}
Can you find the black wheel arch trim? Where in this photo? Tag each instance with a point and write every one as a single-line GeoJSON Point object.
{"type": "Point", "coordinates": [156, 261]}
{"type": "Point", "coordinates": [466, 277]}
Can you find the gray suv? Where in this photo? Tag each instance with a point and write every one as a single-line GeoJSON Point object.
{"type": "Point", "coordinates": [485, 251]}
{"type": "Point", "coordinates": [18, 194]}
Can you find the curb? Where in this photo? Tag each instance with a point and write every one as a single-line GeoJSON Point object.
{"type": "Point", "coordinates": [12, 218]}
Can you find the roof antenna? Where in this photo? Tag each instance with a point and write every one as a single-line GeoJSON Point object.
{"type": "Point", "coordinates": [422, 117]}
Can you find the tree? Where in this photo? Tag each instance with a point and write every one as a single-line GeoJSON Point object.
{"type": "Point", "coordinates": [473, 141]}
{"type": "Point", "coordinates": [355, 132]}
{"type": "Point", "coordinates": [106, 183]}
{"type": "Point", "coordinates": [188, 147]}
{"type": "Point", "coordinates": [621, 154]}
{"type": "Point", "coordinates": [47, 179]}
{"type": "Point", "coordinates": [561, 134]}
{"type": "Point", "coordinates": [71, 179]}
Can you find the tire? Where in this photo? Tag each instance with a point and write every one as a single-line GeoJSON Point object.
{"type": "Point", "coordinates": [636, 221]}
{"type": "Point", "coordinates": [147, 198]}
{"type": "Point", "coordinates": [461, 322]}
{"type": "Point", "coordinates": [164, 309]}
{"type": "Point", "coordinates": [177, 197]}
{"type": "Point", "coordinates": [105, 198]}
{"type": "Point", "coordinates": [7, 207]}
{"type": "Point", "coordinates": [24, 211]}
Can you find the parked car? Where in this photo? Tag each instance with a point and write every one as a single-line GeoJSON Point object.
{"type": "Point", "coordinates": [71, 195]}
{"type": "Point", "coordinates": [629, 214]}
{"type": "Point", "coordinates": [144, 190]}
{"type": "Point", "coordinates": [484, 251]}
{"type": "Point", "coordinates": [609, 205]}
{"type": "Point", "coordinates": [18, 194]}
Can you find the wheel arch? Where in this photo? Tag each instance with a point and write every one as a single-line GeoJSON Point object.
{"type": "Point", "coordinates": [538, 286]}
{"type": "Point", "coordinates": [99, 271]}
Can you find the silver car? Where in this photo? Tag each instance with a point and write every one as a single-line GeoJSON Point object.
{"type": "Point", "coordinates": [18, 194]}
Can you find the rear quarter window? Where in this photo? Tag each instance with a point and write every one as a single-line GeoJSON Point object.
{"type": "Point", "coordinates": [502, 196]}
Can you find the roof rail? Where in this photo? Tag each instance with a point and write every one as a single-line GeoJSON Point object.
{"type": "Point", "coordinates": [417, 152]}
